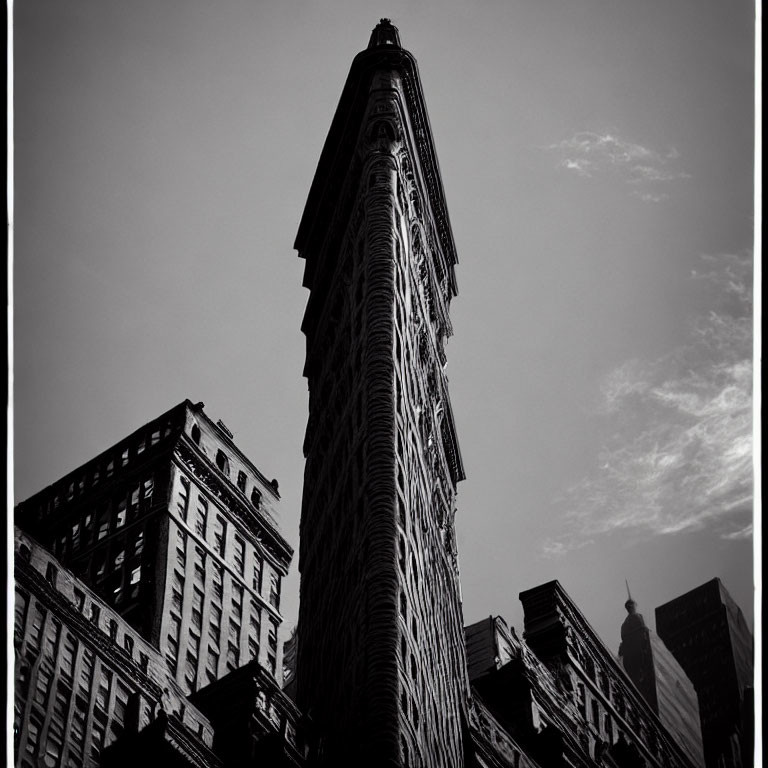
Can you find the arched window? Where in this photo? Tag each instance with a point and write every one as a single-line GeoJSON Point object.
{"type": "Point", "coordinates": [196, 434]}
{"type": "Point", "coordinates": [256, 498]}
{"type": "Point", "coordinates": [222, 462]}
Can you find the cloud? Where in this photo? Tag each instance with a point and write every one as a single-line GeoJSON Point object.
{"type": "Point", "coordinates": [677, 449]}
{"type": "Point", "coordinates": [593, 154]}
{"type": "Point", "coordinates": [554, 548]}
{"type": "Point", "coordinates": [744, 533]}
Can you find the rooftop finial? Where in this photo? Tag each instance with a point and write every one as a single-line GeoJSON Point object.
{"type": "Point", "coordinates": [630, 605]}
{"type": "Point", "coordinates": [385, 33]}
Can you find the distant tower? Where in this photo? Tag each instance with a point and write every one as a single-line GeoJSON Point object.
{"type": "Point", "coordinates": [662, 681]}
{"type": "Point", "coordinates": [174, 529]}
{"type": "Point", "coordinates": [707, 633]}
{"type": "Point", "coordinates": [381, 661]}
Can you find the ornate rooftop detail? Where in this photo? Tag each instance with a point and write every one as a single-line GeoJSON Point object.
{"type": "Point", "coordinates": [384, 33]}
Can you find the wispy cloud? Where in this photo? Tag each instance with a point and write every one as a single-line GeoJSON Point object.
{"type": "Point", "coordinates": [677, 455]}
{"type": "Point", "coordinates": [593, 154]}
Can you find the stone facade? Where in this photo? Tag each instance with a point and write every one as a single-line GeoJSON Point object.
{"type": "Point", "coordinates": [380, 663]}
{"type": "Point", "coordinates": [175, 529]}
{"type": "Point", "coordinates": [86, 679]}
{"type": "Point", "coordinates": [560, 695]}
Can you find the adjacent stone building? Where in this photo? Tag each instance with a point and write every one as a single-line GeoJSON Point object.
{"type": "Point", "coordinates": [175, 529]}
{"type": "Point", "coordinates": [562, 695]}
{"type": "Point", "coordinates": [86, 679]}
{"type": "Point", "coordinates": [380, 665]}
{"type": "Point", "coordinates": [708, 635]}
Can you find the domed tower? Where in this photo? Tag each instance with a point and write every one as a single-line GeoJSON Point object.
{"type": "Point", "coordinates": [381, 665]}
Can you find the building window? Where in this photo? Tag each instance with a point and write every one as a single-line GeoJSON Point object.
{"type": "Point", "coordinates": [272, 636]}
{"type": "Point", "coordinates": [200, 565]}
{"type": "Point", "coordinates": [97, 738]}
{"type": "Point", "coordinates": [138, 544]}
{"type": "Point", "coordinates": [257, 571]}
{"type": "Point", "coordinates": [134, 504]}
{"type": "Point", "coordinates": [149, 486]}
{"type": "Point", "coordinates": [102, 692]}
{"type": "Point", "coordinates": [121, 514]}
{"type": "Point", "coordinates": [218, 582]}
{"type": "Point", "coordinates": [196, 434]}
{"type": "Point", "coordinates": [274, 590]}
{"type": "Point", "coordinates": [234, 633]}
{"type": "Point", "coordinates": [212, 665]}
{"type": "Point", "coordinates": [33, 735]}
{"type": "Point", "coordinates": [201, 522]}
{"type": "Point", "coordinates": [256, 497]}
{"type": "Point", "coordinates": [219, 535]}
{"type": "Point", "coordinates": [608, 725]}
{"type": "Point", "coordinates": [214, 625]}
{"type": "Point", "coordinates": [68, 651]}
{"type": "Point", "coordinates": [241, 479]}
{"type": "Point", "coordinates": [222, 462]}
{"type": "Point", "coordinates": [239, 555]}
{"type": "Point", "coordinates": [42, 688]}
{"type": "Point", "coordinates": [103, 524]}
{"type": "Point", "coordinates": [237, 601]}
{"type": "Point", "coordinates": [197, 608]}
{"type": "Point", "coordinates": [50, 574]}
{"type": "Point", "coordinates": [19, 617]}
{"type": "Point", "coordinates": [181, 549]}
{"type": "Point", "coordinates": [233, 657]}
{"type": "Point", "coordinates": [76, 535]}
{"type": "Point", "coordinates": [182, 505]}
{"type": "Point", "coordinates": [190, 672]}
{"type": "Point", "coordinates": [52, 638]}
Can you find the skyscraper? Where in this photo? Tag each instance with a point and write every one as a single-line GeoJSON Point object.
{"type": "Point", "coordinates": [175, 529]}
{"type": "Point", "coordinates": [707, 633]}
{"type": "Point", "coordinates": [381, 662]}
{"type": "Point", "coordinates": [662, 681]}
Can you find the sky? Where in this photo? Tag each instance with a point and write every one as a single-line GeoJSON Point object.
{"type": "Point", "coordinates": [597, 159]}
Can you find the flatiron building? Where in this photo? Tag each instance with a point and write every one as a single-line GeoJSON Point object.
{"type": "Point", "coordinates": [381, 664]}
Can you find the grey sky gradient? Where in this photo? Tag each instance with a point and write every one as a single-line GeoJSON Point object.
{"type": "Point", "coordinates": [597, 162]}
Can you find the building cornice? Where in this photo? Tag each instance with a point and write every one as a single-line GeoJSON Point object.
{"type": "Point", "coordinates": [262, 528]}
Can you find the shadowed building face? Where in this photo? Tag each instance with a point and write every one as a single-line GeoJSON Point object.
{"type": "Point", "coordinates": [381, 661]}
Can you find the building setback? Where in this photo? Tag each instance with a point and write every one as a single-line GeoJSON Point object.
{"type": "Point", "coordinates": [380, 659]}
{"type": "Point", "coordinates": [175, 529]}
{"type": "Point", "coordinates": [662, 681]}
{"type": "Point", "coordinates": [86, 679]}
{"type": "Point", "coordinates": [708, 635]}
